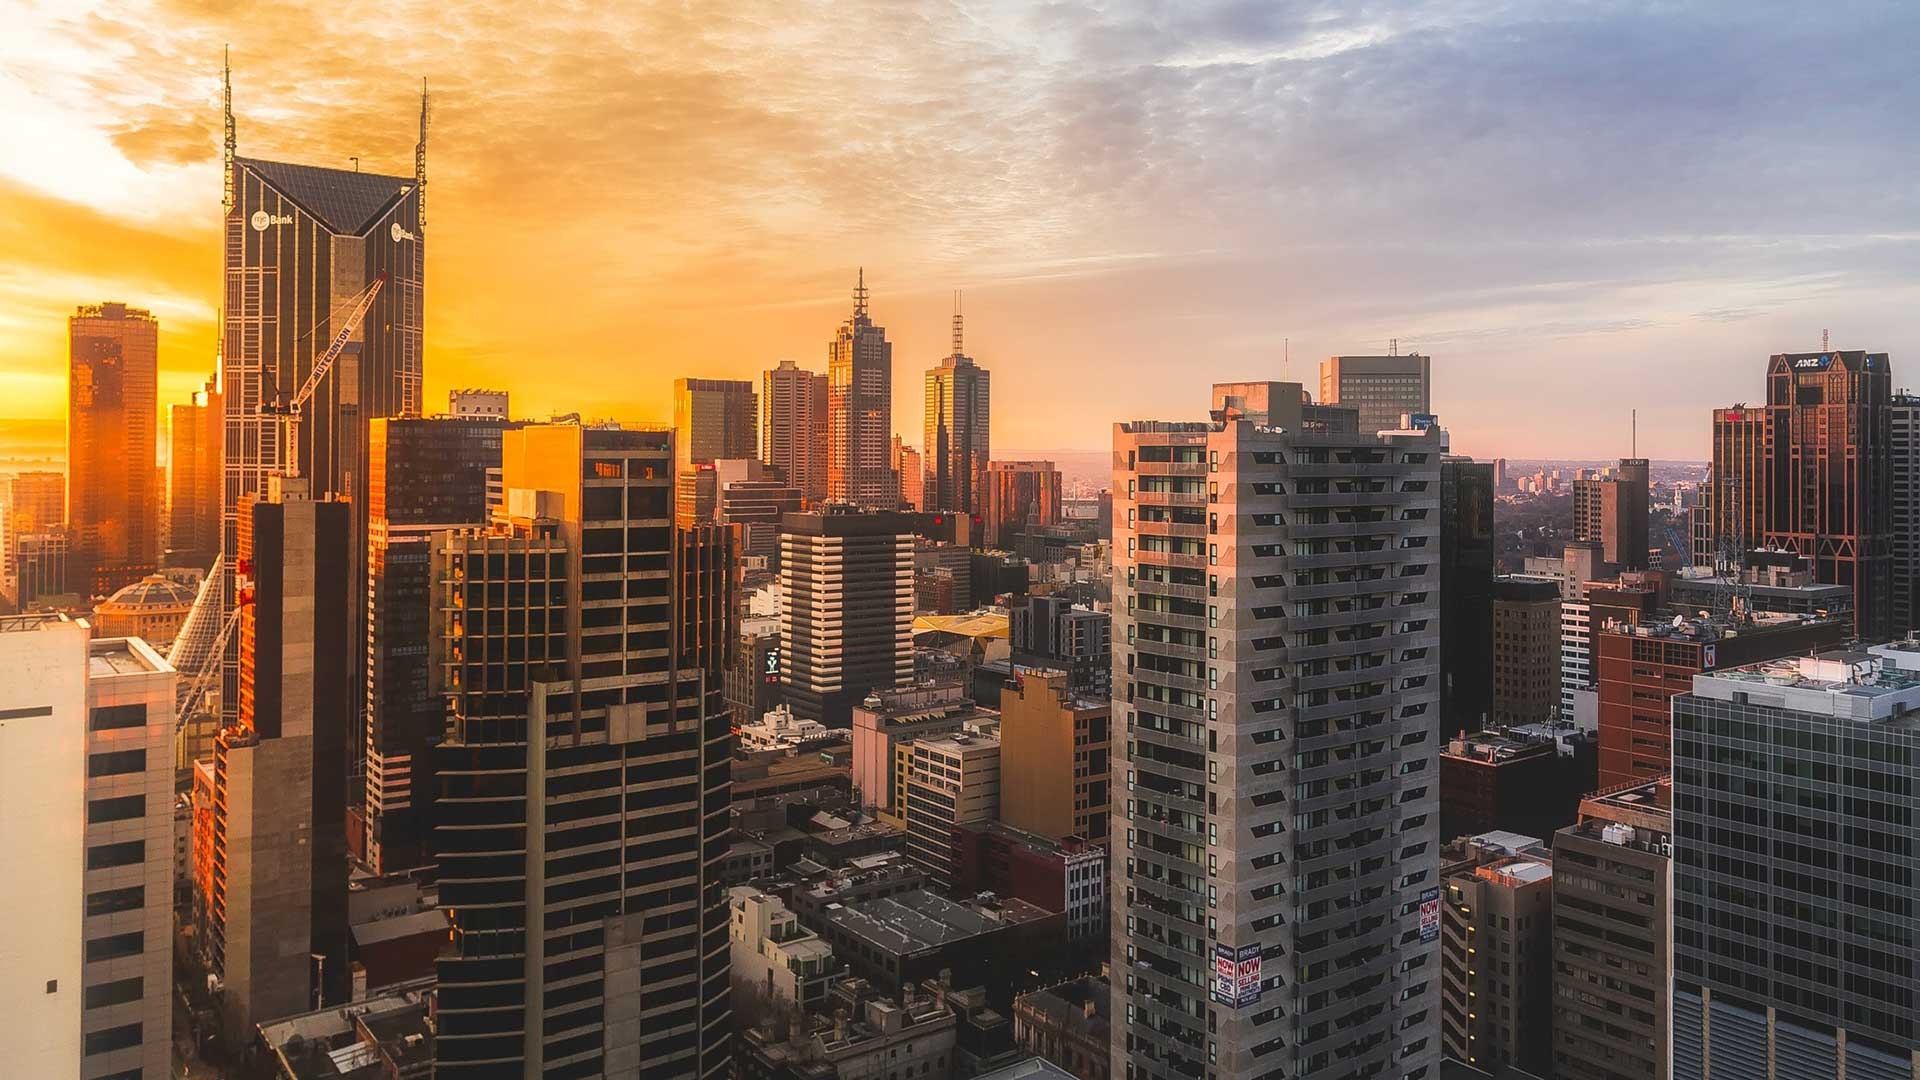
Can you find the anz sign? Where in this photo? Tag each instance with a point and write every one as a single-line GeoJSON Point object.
{"type": "Point", "coordinates": [1813, 363]}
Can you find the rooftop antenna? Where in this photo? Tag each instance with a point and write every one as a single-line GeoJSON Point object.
{"type": "Point", "coordinates": [957, 318]}
{"type": "Point", "coordinates": [1633, 440]}
{"type": "Point", "coordinates": [1393, 346]}
{"type": "Point", "coordinates": [420, 166]}
{"type": "Point", "coordinates": [356, 162]}
{"type": "Point", "coordinates": [860, 295]}
{"type": "Point", "coordinates": [229, 142]}
{"type": "Point", "coordinates": [1286, 352]}
{"type": "Point", "coordinates": [1823, 341]}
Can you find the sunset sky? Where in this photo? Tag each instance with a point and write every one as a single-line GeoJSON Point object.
{"type": "Point", "coordinates": [1575, 208]}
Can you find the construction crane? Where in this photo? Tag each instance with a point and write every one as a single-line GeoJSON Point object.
{"type": "Point", "coordinates": [289, 410]}
{"type": "Point", "coordinates": [209, 668]}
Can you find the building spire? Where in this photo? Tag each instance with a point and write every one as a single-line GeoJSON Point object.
{"type": "Point", "coordinates": [229, 143]}
{"type": "Point", "coordinates": [420, 167]}
{"type": "Point", "coordinates": [860, 295]}
{"type": "Point", "coordinates": [957, 322]}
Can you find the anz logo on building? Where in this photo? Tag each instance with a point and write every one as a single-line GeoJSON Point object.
{"type": "Point", "coordinates": [1813, 363]}
{"type": "Point", "coordinates": [261, 220]}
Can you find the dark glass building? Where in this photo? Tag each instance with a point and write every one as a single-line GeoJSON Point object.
{"type": "Point", "coordinates": [1794, 915]}
{"type": "Point", "coordinates": [301, 243]}
{"type": "Point", "coordinates": [584, 783]}
{"type": "Point", "coordinates": [1812, 471]}
{"type": "Point", "coordinates": [1466, 594]}
{"type": "Point", "coordinates": [424, 476]}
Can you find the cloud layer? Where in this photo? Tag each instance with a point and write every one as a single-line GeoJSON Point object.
{"type": "Point", "coordinates": [1577, 209]}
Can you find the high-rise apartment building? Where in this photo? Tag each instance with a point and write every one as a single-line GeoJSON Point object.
{"type": "Point", "coordinates": [959, 410]}
{"type": "Point", "coordinates": [301, 242]}
{"type": "Point", "coordinates": [128, 975]}
{"type": "Point", "coordinates": [1466, 593]}
{"type": "Point", "coordinates": [1640, 668]}
{"type": "Point", "coordinates": [1381, 388]}
{"type": "Point", "coordinates": [793, 427]}
{"type": "Point", "coordinates": [112, 439]}
{"type": "Point", "coordinates": [860, 411]}
{"type": "Point", "coordinates": [714, 419]}
{"type": "Point", "coordinates": [1018, 494]}
{"type": "Point", "coordinates": [1613, 936]}
{"type": "Point", "coordinates": [1526, 651]}
{"type": "Point", "coordinates": [1056, 766]}
{"type": "Point", "coordinates": [581, 826]}
{"type": "Point", "coordinates": [43, 920]}
{"type": "Point", "coordinates": [194, 481]}
{"type": "Point", "coordinates": [277, 901]}
{"type": "Point", "coordinates": [1904, 428]}
{"type": "Point", "coordinates": [1496, 950]}
{"type": "Point", "coordinates": [427, 475]}
{"type": "Point", "coordinates": [846, 626]}
{"type": "Point", "coordinates": [1612, 511]}
{"type": "Point", "coordinates": [1277, 615]}
{"type": "Point", "coordinates": [1793, 863]}
{"type": "Point", "coordinates": [1812, 471]}
{"type": "Point", "coordinates": [912, 471]}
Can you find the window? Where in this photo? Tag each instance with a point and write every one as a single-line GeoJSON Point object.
{"type": "Point", "coordinates": [116, 946]}
{"type": "Point", "coordinates": [117, 763]}
{"type": "Point", "coordinates": [116, 717]}
{"type": "Point", "coordinates": [112, 900]}
{"type": "Point", "coordinates": [102, 856]}
{"type": "Point", "coordinates": [118, 992]}
{"type": "Point", "coordinates": [116, 809]}
{"type": "Point", "coordinates": [118, 1038]}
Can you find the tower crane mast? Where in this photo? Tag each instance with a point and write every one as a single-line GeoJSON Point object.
{"type": "Point", "coordinates": [290, 410]}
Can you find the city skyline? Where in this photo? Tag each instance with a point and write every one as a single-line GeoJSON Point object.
{"type": "Point", "coordinates": [1087, 271]}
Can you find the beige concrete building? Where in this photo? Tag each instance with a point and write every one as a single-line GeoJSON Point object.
{"type": "Point", "coordinates": [952, 780]}
{"type": "Point", "coordinates": [1613, 937]}
{"type": "Point", "coordinates": [776, 956]}
{"type": "Point", "coordinates": [1496, 952]}
{"type": "Point", "coordinates": [1056, 776]}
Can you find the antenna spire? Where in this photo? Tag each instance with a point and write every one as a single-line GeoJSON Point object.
{"type": "Point", "coordinates": [860, 295]}
{"type": "Point", "coordinates": [229, 143]}
{"type": "Point", "coordinates": [420, 166]}
{"type": "Point", "coordinates": [957, 321]}
{"type": "Point", "coordinates": [1823, 341]}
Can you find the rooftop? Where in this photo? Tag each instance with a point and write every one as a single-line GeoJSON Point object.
{"type": "Point", "coordinates": [1034, 1068]}
{"type": "Point", "coordinates": [108, 657]}
{"type": "Point", "coordinates": [1881, 683]}
{"type": "Point", "coordinates": [1707, 628]}
{"type": "Point", "coordinates": [917, 921]}
{"type": "Point", "coordinates": [153, 591]}
{"type": "Point", "coordinates": [344, 201]}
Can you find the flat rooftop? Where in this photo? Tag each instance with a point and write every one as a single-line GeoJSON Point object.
{"type": "Point", "coordinates": [107, 657]}
{"type": "Point", "coordinates": [916, 920]}
{"type": "Point", "coordinates": [1880, 683]}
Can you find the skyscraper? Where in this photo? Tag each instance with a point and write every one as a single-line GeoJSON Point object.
{"type": "Point", "coordinates": [36, 506]}
{"type": "Point", "coordinates": [1812, 471]}
{"type": "Point", "coordinates": [1018, 494]}
{"type": "Point", "coordinates": [713, 419]}
{"type": "Point", "coordinates": [1612, 511]}
{"type": "Point", "coordinates": [194, 482]}
{"type": "Point", "coordinates": [860, 411]}
{"type": "Point", "coordinates": [277, 903]}
{"type": "Point", "coordinates": [1276, 670]}
{"type": "Point", "coordinates": [581, 825]}
{"type": "Point", "coordinates": [301, 243]}
{"type": "Point", "coordinates": [1794, 784]}
{"type": "Point", "coordinates": [43, 760]}
{"type": "Point", "coordinates": [793, 427]}
{"type": "Point", "coordinates": [1379, 387]}
{"type": "Point", "coordinates": [1526, 651]}
{"type": "Point", "coordinates": [1466, 593]}
{"type": "Point", "coordinates": [846, 627]}
{"type": "Point", "coordinates": [112, 418]}
{"type": "Point", "coordinates": [1905, 431]}
{"type": "Point", "coordinates": [426, 476]}
{"type": "Point", "coordinates": [128, 976]}
{"type": "Point", "coordinates": [909, 466]}
{"type": "Point", "coordinates": [959, 412]}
